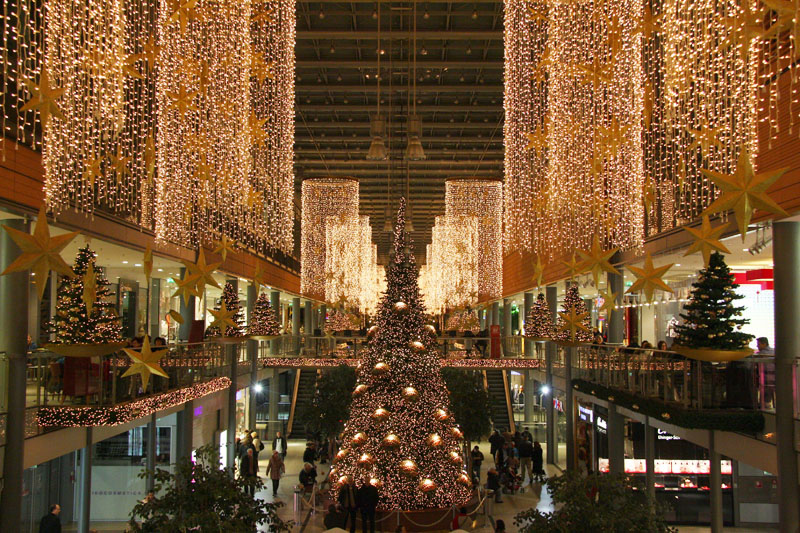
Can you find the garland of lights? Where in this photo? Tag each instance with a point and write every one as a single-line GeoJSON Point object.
{"type": "Point", "coordinates": [450, 276]}
{"type": "Point", "coordinates": [129, 411]}
{"type": "Point", "coordinates": [312, 362]}
{"type": "Point", "coordinates": [324, 200]}
{"type": "Point", "coordinates": [482, 199]}
{"type": "Point", "coordinates": [352, 276]}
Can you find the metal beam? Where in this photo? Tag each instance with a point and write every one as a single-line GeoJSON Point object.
{"type": "Point", "coordinates": [412, 164]}
{"type": "Point", "coordinates": [421, 89]}
{"type": "Point", "coordinates": [361, 108]}
{"type": "Point", "coordinates": [425, 140]}
{"type": "Point", "coordinates": [371, 64]}
{"type": "Point", "coordinates": [314, 173]}
{"type": "Point", "coordinates": [360, 35]}
{"type": "Point", "coordinates": [400, 126]}
{"type": "Point", "coordinates": [357, 151]}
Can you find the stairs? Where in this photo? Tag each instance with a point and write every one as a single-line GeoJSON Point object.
{"type": "Point", "coordinates": [499, 399]}
{"type": "Point", "coordinates": [305, 387]}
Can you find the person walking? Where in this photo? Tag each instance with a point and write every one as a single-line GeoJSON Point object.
{"type": "Point", "coordinates": [247, 470]}
{"type": "Point", "coordinates": [275, 470]}
{"type": "Point", "coordinates": [368, 502]}
{"type": "Point", "coordinates": [477, 461]}
{"type": "Point", "coordinates": [279, 445]}
{"type": "Point", "coordinates": [348, 499]}
{"type": "Point", "coordinates": [525, 458]}
{"type": "Point", "coordinates": [537, 461]}
{"type": "Point", "coordinates": [51, 523]}
{"type": "Point", "coordinates": [495, 443]}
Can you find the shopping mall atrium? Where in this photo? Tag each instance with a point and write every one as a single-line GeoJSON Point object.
{"type": "Point", "coordinates": [289, 265]}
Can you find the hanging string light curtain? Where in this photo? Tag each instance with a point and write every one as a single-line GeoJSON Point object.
{"type": "Point", "coordinates": [350, 263]}
{"type": "Point", "coordinates": [450, 275]}
{"type": "Point", "coordinates": [271, 196]}
{"type": "Point", "coordinates": [482, 199]}
{"type": "Point", "coordinates": [323, 200]}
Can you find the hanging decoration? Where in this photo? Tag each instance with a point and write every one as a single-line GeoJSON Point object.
{"type": "Point", "coordinates": [648, 278]}
{"type": "Point", "coordinates": [706, 239]}
{"type": "Point", "coordinates": [351, 270]}
{"type": "Point", "coordinates": [40, 252]}
{"type": "Point", "coordinates": [449, 278]}
{"type": "Point", "coordinates": [145, 363]}
{"type": "Point", "coordinates": [482, 199]}
{"type": "Point", "coordinates": [324, 200]}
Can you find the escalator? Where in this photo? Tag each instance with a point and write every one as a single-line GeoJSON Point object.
{"type": "Point", "coordinates": [499, 400]}
{"type": "Point", "coordinates": [305, 386]}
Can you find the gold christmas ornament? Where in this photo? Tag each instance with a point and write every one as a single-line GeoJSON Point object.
{"type": "Point", "coordinates": [456, 433]}
{"type": "Point", "coordinates": [649, 278]}
{"type": "Point", "coordinates": [409, 468]}
{"type": "Point", "coordinates": [372, 331]}
{"type": "Point", "coordinates": [410, 394]}
{"type": "Point", "coordinates": [147, 263]}
{"type": "Point", "coordinates": [706, 240]}
{"type": "Point", "coordinates": [434, 440]}
{"type": "Point", "coordinates": [609, 300]}
{"type": "Point", "coordinates": [359, 439]}
{"type": "Point", "coordinates": [222, 318]}
{"type": "Point", "coordinates": [390, 441]}
{"type": "Point", "coordinates": [341, 454]}
{"type": "Point", "coordinates": [380, 368]}
{"type": "Point", "coordinates": [176, 316]}
{"type": "Point", "coordinates": [40, 253]}
{"type": "Point", "coordinates": [431, 329]}
{"type": "Point", "coordinates": [455, 458]}
{"type": "Point", "coordinates": [224, 246]}
{"type": "Point", "coordinates": [573, 321]}
{"type": "Point", "coordinates": [427, 485]}
{"type": "Point", "coordinates": [400, 307]}
{"type": "Point", "coordinates": [464, 479]}
{"type": "Point", "coordinates": [359, 390]}
{"type": "Point", "coordinates": [145, 362]}
{"type": "Point", "coordinates": [441, 415]}
{"type": "Point", "coordinates": [365, 460]}
{"type": "Point", "coordinates": [417, 346]}
{"type": "Point", "coordinates": [538, 271]}
{"type": "Point", "coordinates": [380, 414]}
{"type": "Point", "coordinates": [187, 287]}
{"type": "Point", "coordinates": [203, 271]}
{"type": "Point", "coordinates": [597, 260]}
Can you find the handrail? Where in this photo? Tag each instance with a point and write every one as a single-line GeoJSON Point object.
{"type": "Point", "coordinates": [296, 388]}
{"type": "Point", "coordinates": [509, 407]}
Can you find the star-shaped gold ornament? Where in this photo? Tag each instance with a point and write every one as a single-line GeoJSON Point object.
{"type": "Point", "coordinates": [537, 14]}
{"type": "Point", "coordinates": [612, 137]}
{"type": "Point", "coordinates": [204, 270]}
{"type": "Point", "coordinates": [609, 300]}
{"type": "Point", "coordinates": [145, 363]}
{"type": "Point", "coordinates": [129, 66]}
{"type": "Point", "coordinates": [176, 316]}
{"type": "Point", "coordinates": [648, 193]}
{"type": "Point", "coordinates": [537, 140]}
{"type": "Point", "coordinates": [648, 104]}
{"type": "Point", "coordinates": [257, 132]}
{"type": "Point", "coordinates": [40, 253]}
{"type": "Point", "coordinates": [704, 139]}
{"type": "Point", "coordinates": [93, 169]}
{"type": "Point", "coordinates": [259, 68]}
{"type": "Point", "coordinates": [596, 73]}
{"type": "Point", "coordinates": [260, 278]}
{"type": "Point", "coordinates": [597, 260]}
{"type": "Point", "coordinates": [187, 287]}
{"type": "Point", "coordinates": [147, 263]}
{"type": "Point", "coordinates": [744, 191]}
{"type": "Point", "coordinates": [648, 279]}
{"type": "Point", "coordinates": [222, 318]}
{"type": "Point", "coordinates": [706, 240]}
{"type": "Point", "coordinates": [89, 295]}
{"type": "Point", "coordinates": [225, 245]}
{"type": "Point", "coordinates": [120, 163]}
{"type": "Point", "coordinates": [184, 12]}
{"type": "Point", "coordinates": [572, 322]}
{"type": "Point", "coordinates": [538, 271]}
{"type": "Point", "coordinates": [574, 267]}
{"type": "Point", "coordinates": [648, 24]}
{"type": "Point", "coordinates": [746, 26]}
{"type": "Point", "coordinates": [262, 15]}
{"type": "Point", "coordinates": [182, 100]}
{"type": "Point", "coordinates": [43, 98]}
{"type": "Point", "coordinates": [202, 171]}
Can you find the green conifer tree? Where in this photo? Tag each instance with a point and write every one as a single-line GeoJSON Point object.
{"type": "Point", "coordinates": [263, 321]}
{"type": "Point", "coordinates": [231, 299]}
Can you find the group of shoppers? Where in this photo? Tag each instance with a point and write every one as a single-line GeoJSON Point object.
{"type": "Point", "coordinates": [353, 499]}
{"type": "Point", "coordinates": [516, 457]}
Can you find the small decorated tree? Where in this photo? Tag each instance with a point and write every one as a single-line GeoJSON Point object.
{"type": "Point", "coordinates": [84, 314]}
{"type": "Point", "coordinates": [231, 299]}
{"type": "Point", "coordinates": [573, 317]}
{"type": "Point", "coordinates": [339, 320]}
{"type": "Point", "coordinates": [711, 320]}
{"type": "Point", "coordinates": [539, 322]}
{"type": "Point", "coordinates": [263, 321]}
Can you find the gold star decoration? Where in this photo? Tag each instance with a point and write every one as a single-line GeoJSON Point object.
{"type": "Point", "coordinates": [648, 279]}
{"type": "Point", "coordinates": [597, 260]}
{"type": "Point", "coordinates": [537, 140]}
{"type": "Point", "coordinates": [788, 12]}
{"type": "Point", "coordinates": [93, 169]}
{"type": "Point", "coordinates": [540, 71]}
{"type": "Point", "coordinates": [89, 295]}
{"type": "Point", "coordinates": [203, 270]}
{"type": "Point", "coordinates": [704, 138]}
{"type": "Point", "coordinates": [574, 267]}
{"type": "Point", "coordinates": [147, 263]}
{"type": "Point", "coordinates": [187, 287]}
{"type": "Point", "coordinates": [150, 157]}
{"type": "Point", "coordinates": [202, 172]}
{"type": "Point", "coordinates": [225, 245]}
{"type": "Point", "coordinates": [40, 253]}
{"type": "Point", "coordinates": [257, 132]}
{"type": "Point", "coordinates": [183, 12]}
{"type": "Point", "coordinates": [259, 68]}
{"type": "Point", "coordinates": [260, 278]}
{"type": "Point", "coordinates": [573, 322]}
{"type": "Point", "coordinates": [182, 100]}
{"type": "Point", "coordinates": [649, 24]}
{"type": "Point", "coordinates": [538, 271]}
{"type": "Point", "coordinates": [596, 73]}
{"type": "Point", "coordinates": [612, 137]}
{"type": "Point", "coordinates": [648, 193]}
{"type": "Point", "coordinates": [609, 300]}
{"type": "Point", "coordinates": [706, 239]}
{"type": "Point", "coordinates": [222, 318]}
{"type": "Point", "coordinates": [537, 15]}
{"type": "Point", "coordinates": [129, 66]}
{"type": "Point", "coordinates": [744, 191]}
{"type": "Point", "coordinates": [264, 15]}
{"type": "Point", "coordinates": [648, 104]}
{"type": "Point", "coordinates": [254, 198]}
{"type": "Point", "coordinates": [149, 55]}
{"type": "Point", "coordinates": [145, 363]}
{"type": "Point", "coordinates": [120, 163]}
{"type": "Point", "coordinates": [43, 98]}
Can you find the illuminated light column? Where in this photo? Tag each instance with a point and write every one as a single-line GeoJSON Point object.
{"type": "Point", "coordinates": [323, 199]}
{"type": "Point", "coordinates": [205, 129]}
{"type": "Point", "coordinates": [450, 277]}
{"type": "Point", "coordinates": [595, 175]}
{"type": "Point", "coordinates": [483, 199]}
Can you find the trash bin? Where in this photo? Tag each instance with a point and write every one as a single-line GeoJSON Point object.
{"type": "Point", "coordinates": [298, 499]}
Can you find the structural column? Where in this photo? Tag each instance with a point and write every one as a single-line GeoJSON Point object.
{"type": "Point", "coordinates": [482, 318]}
{"type": "Point", "coordinates": [187, 313]}
{"type": "Point", "coordinates": [151, 451]}
{"type": "Point", "coordinates": [275, 301]}
{"type": "Point", "coordinates": [252, 356]}
{"type": "Point", "coordinates": [274, 398]}
{"type": "Point", "coordinates": [569, 407]}
{"type": "Point", "coordinates": [530, 393]}
{"type": "Point", "coordinates": [185, 430]}
{"type": "Point", "coordinates": [529, 344]}
{"type": "Point", "coordinates": [650, 458]}
{"type": "Point", "coordinates": [13, 340]}
{"type": "Point", "coordinates": [616, 325]}
{"type": "Point", "coordinates": [153, 310]}
{"type": "Point", "coordinates": [786, 259]}
{"type": "Point", "coordinates": [296, 324]}
{"type": "Point", "coordinates": [616, 440]}
{"type": "Point", "coordinates": [308, 322]}
{"type": "Point", "coordinates": [715, 480]}
{"type": "Point", "coordinates": [84, 513]}
{"type": "Point", "coordinates": [551, 294]}
{"type": "Point", "coordinates": [496, 313]}
{"type": "Point", "coordinates": [230, 441]}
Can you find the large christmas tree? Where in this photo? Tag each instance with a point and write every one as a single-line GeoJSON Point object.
{"type": "Point", "coordinates": [574, 322]}
{"type": "Point", "coordinates": [711, 319]}
{"type": "Point", "coordinates": [231, 299]}
{"type": "Point", "coordinates": [263, 321]}
{"type": "Point", "coordinates": [77, 323]}
{"type": "Point", "coordinates": [539, 322]}
{"type": "Point", "coordinates": [401, 434]}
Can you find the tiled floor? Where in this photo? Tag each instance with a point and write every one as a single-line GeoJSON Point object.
{"type": "Point", "coordinates": [312, 522]}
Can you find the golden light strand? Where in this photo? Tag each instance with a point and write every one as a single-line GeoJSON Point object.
{"type": "Point", "coordinates": [351, 275]}
{"type": "Point", "coordinates": [449, 278]}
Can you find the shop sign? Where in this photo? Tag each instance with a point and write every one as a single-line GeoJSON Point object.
{"type": "Point", "coordinates": [585, 413]}
{"type": "Point", "coordinates": [558, 405]}
{"type": "Point", "coordinates": [663, 435]}
{"type": "Point", "coordinates": [602, 425]}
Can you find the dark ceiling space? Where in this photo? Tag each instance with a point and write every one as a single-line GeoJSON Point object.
{"type": "Point", "coordinates": [459, 87]}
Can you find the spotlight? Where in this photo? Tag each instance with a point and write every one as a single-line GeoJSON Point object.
{"type": "Point", "coordinates": [321, 13]}
{"type": "Point", "coordinates": [374, 14]}
{"type": "Point", "coordinates": [474, 13]}
{"type": "Point", "coordinates": [545, 389]}
{"type": "Point", "coordinates": [258, 387]}
{"type": "Point", "coordinates": [469, 49]}
{"type": "Point", "coordinates": [426, 15]}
